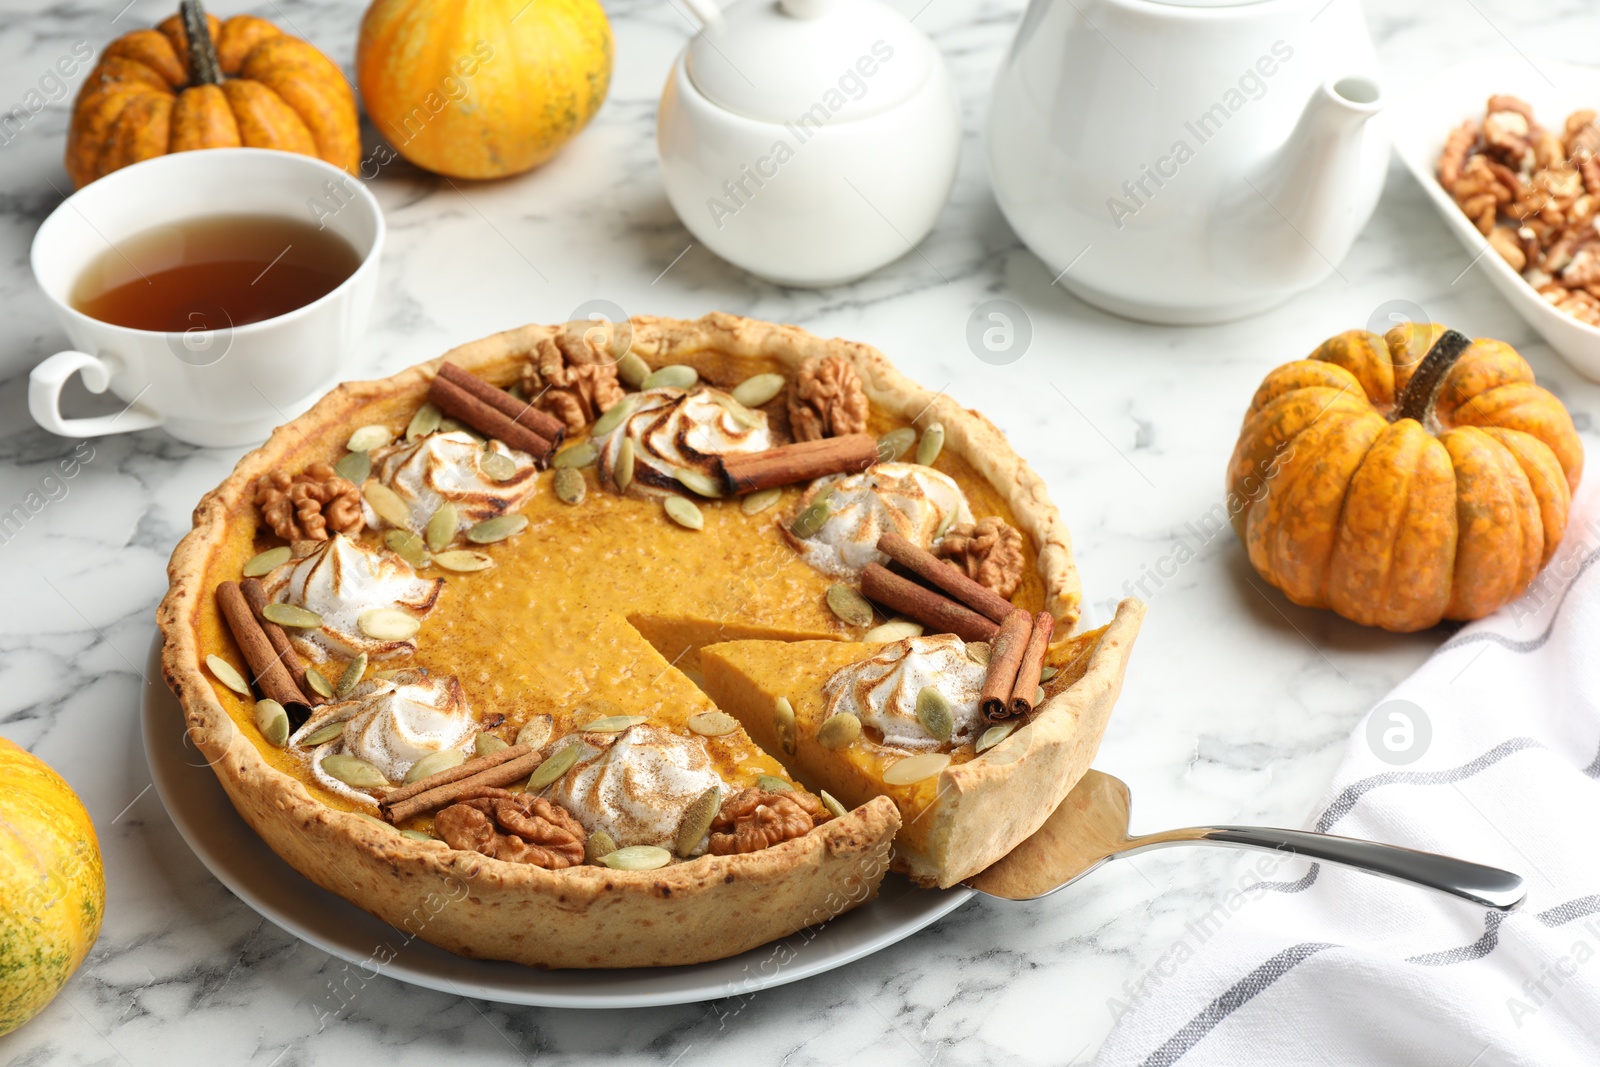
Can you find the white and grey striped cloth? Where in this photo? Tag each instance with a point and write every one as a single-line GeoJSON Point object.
{"type": "Point", "coordinates": [1502, 766]}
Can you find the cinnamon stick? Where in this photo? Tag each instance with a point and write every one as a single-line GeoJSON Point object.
{"type": "Point", "coordinates": [455, 774]}
{"type": "Point", "coordinates": [501, 774]}
{"type": "Point", "coordinates": [540, 422]}
{"type": "Point", "coordinates": [1032, 668]}
{"type": "Point", "coordinates": [930, 607]}
{"type": "Point", "coordinates": [482, 416]}
{"type": "Point", "coordinates": [256, 597]}
{"type": "Point", "coordinates": [746, 472]}
{"type": "Point", "coordinates": [1010, 644]}
{"type": "Point", "coordinates": [946, 576]}
{"type": "Point", "coordinates": [268, 671]}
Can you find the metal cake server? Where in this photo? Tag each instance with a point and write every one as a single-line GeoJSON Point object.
{"type": "Point", "coordinates": [1090, 828]}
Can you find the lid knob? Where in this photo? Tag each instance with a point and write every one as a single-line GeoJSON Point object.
{"type": "Point", "coordinates": [806, 9]}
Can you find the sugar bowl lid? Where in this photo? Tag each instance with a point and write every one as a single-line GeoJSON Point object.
{"type": "Point", "coordinates": [784, 60]}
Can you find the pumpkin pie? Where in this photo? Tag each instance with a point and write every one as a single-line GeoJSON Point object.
{"type": "Point", "coordinates": [443, 638]}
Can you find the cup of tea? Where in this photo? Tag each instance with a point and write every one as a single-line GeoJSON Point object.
{"type": "Point", "coordinates": [217, 293]}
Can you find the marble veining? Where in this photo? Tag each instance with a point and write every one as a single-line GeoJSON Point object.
{"type": "Point", "coordinates": [1235, 707]}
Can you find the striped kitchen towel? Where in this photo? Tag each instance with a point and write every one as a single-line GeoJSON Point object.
{"type": "Point", "coordinates": [1490, 752]}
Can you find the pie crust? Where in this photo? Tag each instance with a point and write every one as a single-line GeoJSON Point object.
{"type": "Point", "coordinates": [587, 916]}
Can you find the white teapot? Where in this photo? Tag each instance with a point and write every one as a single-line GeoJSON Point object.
{"type": "Point", "coordinates": [808, 141]}
{"type": "Point", "coordinates": [1181, 163]}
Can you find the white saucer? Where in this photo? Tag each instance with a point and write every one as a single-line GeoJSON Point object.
{"type": "Point", "coordinates": [243, 862]}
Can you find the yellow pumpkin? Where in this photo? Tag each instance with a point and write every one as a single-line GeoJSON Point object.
{"type": "Point", "coordinates": [1403, 479]}
{"type": "Point", "coordinates": [52, 886]}
{"type": "Point", "coordinates": [482, 88]}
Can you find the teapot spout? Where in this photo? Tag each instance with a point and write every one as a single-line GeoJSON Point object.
{"type": "Point", "coordinates": [1297, 215]}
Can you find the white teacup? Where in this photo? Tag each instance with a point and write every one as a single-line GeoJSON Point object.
{"type": "Point", "coordinates": [206, 387]}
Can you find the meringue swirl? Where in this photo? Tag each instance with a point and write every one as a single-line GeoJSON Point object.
{"type": "Point", "coordinates": [882, 691]}
{"type": "Point", "coordinates": [637, 787]}
{"type": "Point", "coordinates": [916, 502]}
{"type": "Point", "coordinates": [673, 429]}
{"type": "Point", "coordinates": [448, 467]}
{"type": "Point", "coordinates": [339, 580]}
{"type": "Point", "coordinates": [391, 723]}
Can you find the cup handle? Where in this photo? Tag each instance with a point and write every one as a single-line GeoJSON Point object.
{"type": "Point", "coordinates": [44, 398]}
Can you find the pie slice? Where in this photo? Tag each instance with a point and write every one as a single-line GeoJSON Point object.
{"type": "Point", "coordinates": [964, 809]}
{"type": "Point", "coordinates": [511, 757]}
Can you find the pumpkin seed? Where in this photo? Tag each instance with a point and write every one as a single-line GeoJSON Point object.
{"type": "Point", "coordinates": [1038, 696]}
{"type": "Point", "coordinates": [672, 376]}
{"type": "Point", "coordinates": [839, 731]}
{"type": "Point", "coordinates": [614, 724]}
{"type": "Point", "coordinates": [713, 724]}
{"type": "Point", "coordinates": [944, 524]}
{"type": "Point", "coordinates": [443, 526]}
{"type": "Point", "coordinates": [487, 744]}
{"type": "Point", "coordinates": [323, 735]}
{"type": "Point", "coordinates": [351, 677]}
{"type": "Point", "coordinates": [408, 546]}
{"type": "Point", "coordinates": [570, 486]}
{"type": "Point", "coordinates": [424, 422]}
{"type": "Point", "coordinates": [696, 821]}
{"type": "Point", "coordinates": [449, 425]}
{"type": "Point", "coordinates": [417, 835]}
{"type": "Point", "coordinates": [931, 445]}
{"type": "Point", "coordinates": [637, 858]}
{"type": "Point", "coordinates": [387, 505]}
{"type": "Point", "coordinates": [554, 767]}
{"type": "Point", "coordinates": [978, 652]}
{"type": "Point", "coordinates": [750, 420]}
{"type": "Point", "coordinates": [599, 844]}
{"type": "Point", "coordinates": [698, 482]}
{"type": "Point", "coordinates": [369, 437]}
{"type": "Point", "coordinates": [353, 772]}
{"type": "Point", "coordinates": [496, 529]}
{"type": "Point", "coordinates": [783, 717]}
{"type": "Point", "coordinates": [273, 722]}
{"type": "Point", "coordinates": [267, 561]}
{"type": "Point", "coordinates": [387, 624]}
{"type": "Point", "coordinates": [319, 683]}
{"type": "Point", "coordinates": [622, 469]}
{"type": "Point", "coordinates": [834, 807]}
{"type": "Point", "coordinates": [893, 630]}
{"type": "Point", "coordinates": [613, 417]}
{"type": "Point", "coordinates": [535, 732]}
{"type": "Point", "coordinates": [581, 455]}
{"type": "Point", "coordinates": [757, 390]}
{"type": "Point", "coordinates": [498, 466]}
{"type": "Point", "coordinates": [433, 763]}
{"type": "Point", "coordinates": [994, 735]}
{"type": "Point", "coordinates": [773, 784]}
{"type": "Point", "coordinates": [386, 676]}
{"type": "Point", "coordinates": [594, 708]}
{"type": "Point", "coordinates": [367, 815]}
{"type": "Point", "coordinates": [849, 605]}
{"type": "Point", "coordinates": [760, 501]}
{"type": "Point", "coordinates": [228, 675]}
{"type": "Point", "coordinates": [893, 445]}
{"type": "Point", "coordinates": [813, 515]}
{"type": "Point", "coordinates": [934, 713]}
{"type": "Point", "coordinates": [633, 370]}
{"type": "Point", "coordinates": [463, 560]}
{"type": "Point", "coordinates": [354, 467]}
{"type": "Point", "coordinates": [914, 769]}
{"type": "Point", "coordinates": [290, 615]}
{"type": "Point", "coordinates": [1048, 673]}
{"type": "Point", "coordinates": [684, 513]}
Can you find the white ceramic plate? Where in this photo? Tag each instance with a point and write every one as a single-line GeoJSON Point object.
{"type": "Point", "coordinates": [243, 862]}
{"type": "Point", "coordinates": [1423, 119]}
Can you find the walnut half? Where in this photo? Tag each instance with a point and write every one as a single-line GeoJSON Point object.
{"type": "Point", "coordinates": [572, 378]}
{"type": "Point", "coordinates": [754, 819]}
{"type": "Point", "coordinates": [306, 506]}
{"type": "Point", "coordinates": [826, 399]}
{"type": "Point", "coordinates": [515, 827]}
{"type": "Point", "coordinates": [988, 551]}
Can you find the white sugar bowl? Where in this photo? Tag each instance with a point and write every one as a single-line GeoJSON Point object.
{"type": "Point", "coordinates": [808, 141]}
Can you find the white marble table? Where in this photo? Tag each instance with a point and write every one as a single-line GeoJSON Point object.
{"type": "Point", "coordinates": [1235, 707]}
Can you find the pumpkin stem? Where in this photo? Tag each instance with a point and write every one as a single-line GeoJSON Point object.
{"type": "Point", "coordinates": [204, 69]}
{"type": "Point", "coordinates": [1416, 402]}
